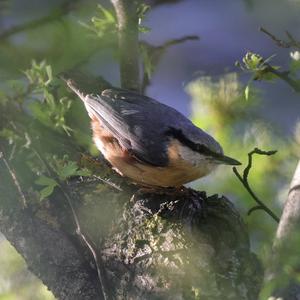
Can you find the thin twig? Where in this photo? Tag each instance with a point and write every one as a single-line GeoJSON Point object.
{"type": "Point", "coordinates": [109, 183]}
{"type": "Point", "coordinates": [78, 230]}
{"type": "Point", "coordinates": [179, 41]}
{"type": "Point", "coordinates": [254, 208]}
{"type": "Point", "coordinates": [15, 180]}
{"type": "Point", "coordinates": [295, 84]}
{"type": "Point", "coordinates": [56, 14]}
{"type": "Point", "coordinates": [280, 43]}
{"type": "Point", "coordinates": [90, 246]}
{"type": "Point", "coordinates": [244, 180]}
{"type": "Point", "coordinates": [154, 54]}
{"type": "Point", "coordinates": [291, 43]}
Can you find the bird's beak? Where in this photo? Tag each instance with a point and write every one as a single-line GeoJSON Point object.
{"type": "Point", "coordinates": [226, 160]}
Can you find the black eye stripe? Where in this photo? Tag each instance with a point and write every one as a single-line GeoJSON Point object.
{"type": "Point", "coordinates": [202, 149]}
{"type": "Point", "coordinates": [177, 133]}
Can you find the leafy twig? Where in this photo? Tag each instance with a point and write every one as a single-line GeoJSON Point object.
{"type": "Point", "coordinates": [291, 43]}
{"type": "Point", "coordinates": [294, 84]}
{"type": "Point", "coordinates": [244, 180]}
{"type": "Point", "coordinates": [262, 69]}
{"type": "Point", "coordinates": [109, 183]}
{"type": "Point", "coordinates": [280, 43]}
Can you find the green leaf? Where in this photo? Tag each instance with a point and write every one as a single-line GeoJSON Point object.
{"type": "Point", "coordinates": [46, 181]}
{"type": "Point", "coordinates": [148, 66]}
{"type": "Point", "coordinates": [68, 170]}
{"type": "Point", "coordinates": [247, 92]}
{"type": "Point", "coordinates": [108, 16]}
{"type": "Point", "coordinates": [46, 192]}
{"type": "Point", "coordinates": [142, 10]}
{"type": "Point", "coordinates": [144, 29]}
{"type": "Point", "coordinates": [40, 74]}
{"type": "Point", "coordinates": [49, 74]}
{"type": "Point", "coordinates": [49, 185]}
{"type": "Point", "coordinates": [295, 65]}
{"type": "Point", "coordinates": [104, 22]}
{"type": "Point", "coordinates": [252, 61]}
{"type": "Point", "coordinates": [11, 136]}
{"type": "Point", "coordinates": [71, 169]}
{"type": "Point", "coordinates": [83, 172]}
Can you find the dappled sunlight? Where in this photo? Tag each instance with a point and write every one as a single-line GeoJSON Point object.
{"type": "Point", "coordinates": [219, 106]}
{"type": "Point", "coordinates": [16, 281]}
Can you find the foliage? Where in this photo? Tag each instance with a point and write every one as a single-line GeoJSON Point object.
{"type": "Point", "coordinates": [219, 106]}
{"type": "Point", "coordinates": [36, 132]}
{"type": "Point", "coordinates": [142, 10]}
{"type": "Point", "coordinates": [295, 62]}
{"type": "Point", "coordinates": [102, 23]}
{"type": "Point", "coordinates": [258, 67]}
{"type": "Point", "coordinates": [261, 69]}
{"type": "Point", "coordinates": [285, 261]}
{"type": "Point", "coordinates": [40, 123]}
{"type": "Point", "coordinates": [49, 111]}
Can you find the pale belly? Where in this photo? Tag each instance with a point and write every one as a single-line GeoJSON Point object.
{"type": "Point", "coordinates": [171, 176]}
{"type": "Point", "coordinates": [184, 165]}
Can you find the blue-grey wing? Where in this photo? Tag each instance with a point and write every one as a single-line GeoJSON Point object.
{"type": "Point", "coordinates": [135, 120]}
{"type": "Point", "coordinates": [144, 126]}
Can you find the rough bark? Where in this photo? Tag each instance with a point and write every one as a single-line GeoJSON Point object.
{"type": "Point", "coordinates": [51, 255]}
{"type": "Point", "coordinates": [290, 219]}
{"type": "Point", "coordinates": [286, 246]}
{"type": "Point", "coordinates": [168, 245]}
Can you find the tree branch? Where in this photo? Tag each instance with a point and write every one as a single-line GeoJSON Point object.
{"type": "Point", "coordinates": [283, 75]}
{"type": "Point", "coordinates": [291, 43]}
{"type": "Point", "coordinates": [49, 251]}
{"type": "Point", "coordinates": [294, 84]}
{"type": "Point", "coordinates": [290, 219]}
{"type": "Point", "coordinates": [126, 11]}
{"type": "Point", "coordinates": [244, 180]}
{"type": "Point", "coordinates": [56, 14]}
{"type": "Point", "coordinates": [284, 262]}
{"type": "Point", "coordinates": [162, 245]}
{"type": "Point", "coordinates": [153, 54]}
{"type": "Point", "coordinates": [51, 255]}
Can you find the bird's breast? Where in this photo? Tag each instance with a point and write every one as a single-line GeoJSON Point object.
{"type": "Point", "coordinates": [184, 165]}
{"type": "Point", "coordinates": [188, 162]}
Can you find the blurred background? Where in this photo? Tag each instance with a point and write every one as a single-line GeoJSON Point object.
{"type": "Point", "coordinates": [197, 77]}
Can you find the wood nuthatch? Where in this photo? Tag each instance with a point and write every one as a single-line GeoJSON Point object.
{"type": "Point", "coordinates": [149, 142]}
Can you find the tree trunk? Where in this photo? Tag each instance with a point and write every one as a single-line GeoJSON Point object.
{"type": "Point", "coordinates": [168, 245]}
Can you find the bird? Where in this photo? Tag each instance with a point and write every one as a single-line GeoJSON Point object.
{"type": "Point", "coordinates": [144, 140]}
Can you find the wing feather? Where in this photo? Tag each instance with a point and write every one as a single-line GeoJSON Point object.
{"type": "Point", "coordinates": [145, 126]}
